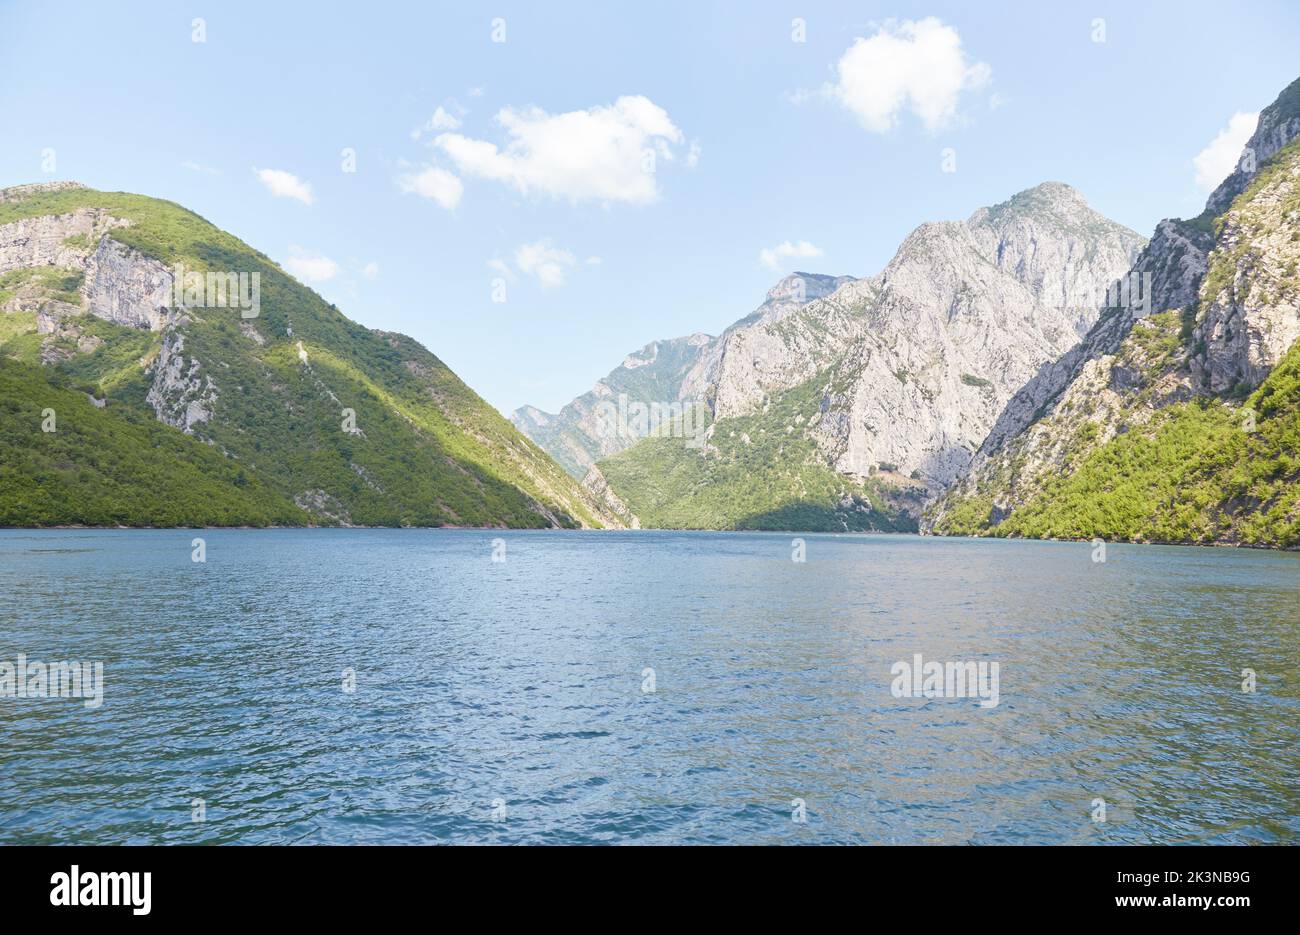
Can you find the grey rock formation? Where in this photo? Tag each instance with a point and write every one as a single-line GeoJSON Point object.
{"type": "Point", "coordinates": [578, 436]}
{"type": "Point", "coordinates": [599, 488]}
{"type": "Point", "coordinates": [181, 394]}
{"type": "Point", "coordinates": [42, 241]}
{"type": "Point", "coordinates": [1173, 263]}
{"type": "Point", "coordinates": [1250, 306]}
{"type": "Point", "coordinates": [120, 285]}
{"type": "Point", "coordinates": [128, 288]}
{"type": "Point", "coordinates": [677, 370]}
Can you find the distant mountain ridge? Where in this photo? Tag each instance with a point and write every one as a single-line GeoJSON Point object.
{"type": "Point", "coordinates": [867, 396]}
{"type": "Point", "coordinates": [664, 371]}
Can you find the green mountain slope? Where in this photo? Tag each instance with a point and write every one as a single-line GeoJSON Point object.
{"type": "Point", "coordinates": [1191, 473]}
{"type": "Point", "coordinates": [339, 424]}
{"type": "Point", "coordinates": [749, 472]}
{"type": "Point", "coordinates": [105, 468]}
{"type": "Point", "coordinates": [573, 436]}
{"type": "Point", "coordinates": [678, 370]}
{"type": "Point", "coordinates": [1182, 426]}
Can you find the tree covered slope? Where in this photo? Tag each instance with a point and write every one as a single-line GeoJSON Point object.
{"type": "Point", "coordinates": [1202, 471]}
{"type": "Point", "coordinates": [123, 467]}
{"type": "Point", "coordinates": [301, 414]}
{"type": "Point", "coordinates": [758, 471]}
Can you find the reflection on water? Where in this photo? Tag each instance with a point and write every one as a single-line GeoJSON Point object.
{"type": "Point", "coordinates": [523, 682]}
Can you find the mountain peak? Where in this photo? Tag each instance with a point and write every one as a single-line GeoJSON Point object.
{"type": "Point", "coordinates": [1279, 124]}
{"type": "Point", "coordinates": [1054, 189]}
{"type": "Point", "coordinates": [1055, 205]}
{"type": "Point", "coordinates": [19, 192]}
{"type": "Point", "coordinates": [1045, 198]}
{"type": "Point", "coordinates": [804, 287]}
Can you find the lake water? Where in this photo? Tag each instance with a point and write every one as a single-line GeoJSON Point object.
{"type": "Point", "coordinates": [507, 702]}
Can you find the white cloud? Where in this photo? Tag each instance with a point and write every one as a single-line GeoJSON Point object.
{"type": "Point", "coordinates": [916, 65]}
{"type": "Point", "coordinates": [308, 266]}
{"type": "Point", "coordinates": [548, 263]}
{"type": "Point", "coordinates": [1215, 162]}
{"type": "Point", "coordinates": [442, 119]}
{"type": "Point", "coordinates": [283, 184]}
{"type": "Point", "coordinates": [199, 167]}
{"type": "Point", "coordinates": [370, 270]}
{"type": "Point", "coordinates": [436, 184]}
{"type": "Point", "coordinates": [501, 267]}
{"type": "Point", "coordinates": [598, 154]}
{"type": "Point", "coordinates": [771, 257]}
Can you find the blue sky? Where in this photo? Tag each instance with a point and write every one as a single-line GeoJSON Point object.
{"type": "Point", "coordinates": [831, 146]}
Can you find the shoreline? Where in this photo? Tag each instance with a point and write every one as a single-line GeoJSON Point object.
{"type": "Point", "coordinates": [561, 529]}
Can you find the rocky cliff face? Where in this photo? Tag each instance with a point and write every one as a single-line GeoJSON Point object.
{"type": "Point", "coordinates": [118, 284]}
{"type": "Point", "coordinates": [124, 286]}
{"type": "Point", "coordinates": [1247, 306]}
{"type": "Point", "coordinates": [596, 483]}
{"type": "Point", "coordinates": [64, 241]}
{"type": "Point", "coordinates": [1224, 312]}
{"type": "Point", "coordinates": [1170, 267]}
{"type": "Point", "coordinates": [1279, 124]}
{"type": "Point", "coordinates": [181, 394]}
{"type": "Point", "coordinates": [19, 192]}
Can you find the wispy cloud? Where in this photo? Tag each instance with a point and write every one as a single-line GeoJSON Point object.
{"type": "Point", "coordinates": [199, 167]}
{"type": "Point", "coordinates": [543, 260]}
{"type": "Point", "coordinates": [501, 267]}
{"type": "Point", "coordinates": [1215, 162]}
{"type": "Point", "coordinates": [548, 263]}
{"type": "Point", "coordinates": [309, 266]}
{"type": "Point", "coordinates": [441, 120]}
{"type": "Point", "coordinates": [283, 184]}
{"type": "Point", "coordinates": [434, 183]}
{"type": "Point", "coordinates": [771, 257]}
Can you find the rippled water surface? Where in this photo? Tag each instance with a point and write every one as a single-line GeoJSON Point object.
{"type": "Point", "coordinates": [522, 683]}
